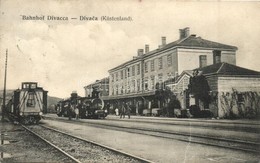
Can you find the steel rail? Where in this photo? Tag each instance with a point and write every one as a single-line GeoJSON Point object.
{"type": "Point", "coordinates": [101, 145]}
{"type": "Point", "coordinates": [51, 144]}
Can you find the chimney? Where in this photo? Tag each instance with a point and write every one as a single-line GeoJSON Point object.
{"type": "Point", "coordinates": [146, 49]}
{"type": "Point", "coordinates": [184, 32]}
{"type": "Point", "coordinates": [140, 52]}
{"type": "Point", "coordinates": [163, 41]}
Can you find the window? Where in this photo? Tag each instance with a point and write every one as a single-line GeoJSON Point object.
{"type": "Point", "coordinates": [112, 77]}
{"type": "Point", "coordinates": [146, 84]}
{"type": "Point", "coordinates": [116, 89]}
{"type": "Point", "coordinates": [26, 85]}
{"type": "Point", "coordinates": [122, 74]}
{"type": "Point", "coordinates": [203, 60]}
{"type": "Point", "coordinates": [31, 100]}
{"type": "Point", "coordinates": [33, 86]}
{"type": "Point", "coordinates": [133, 86]}
{"type": "Point", "coordinates": [160, 82]}
{"type": "Point", "coordinates": [169, 60]}
{"type": "Point", "coordinates": [122, 89]}
{"type": "Point", "coordinates": [160, 78]}
{"type": "Point", "coordinates": [128, 72]}
{"type": "Point", "coordinates": [125, 73]}
{"type": "Point", "coordinates": [152, 65]}
{"type": "Point", "coordinates": [133, 70]}
{"type": "Point", "coordinates": [138, 69]}
{"type": "Point", "coordinates": [128, 87]}
{"type": "Point", "coordinates": [152, 82]}
{"type": "Point", "coordinates": [160, 64]}
{"type": "Point", "coordinates": [138, 85]}
{"type": "Point", "coordinates": [146, 67]}
{"type": "Point", "coordinates": [216, 56]}
{"type": "Point", "coordinates": [116, 76]}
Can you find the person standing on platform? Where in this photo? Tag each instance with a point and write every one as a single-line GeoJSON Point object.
{"type": "Point", "coordinates": [122, 113]}
{"type": "Point", "coordinates": [69, 107]}
{"type": "Point", "coordinates": [128, 110]}
{"type": "Point", "coordinates": [77, 112]}
{"type": "Point", "coordinates": [117, 112]}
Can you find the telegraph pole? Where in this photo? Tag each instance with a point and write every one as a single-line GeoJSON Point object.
{"type": "Point", "coordinates": [4, 92]}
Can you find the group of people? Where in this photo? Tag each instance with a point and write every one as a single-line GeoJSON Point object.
{"type": "Point", "coordinates": [125, 110]}
{"type": "Point", "coordinates": [76, 110]}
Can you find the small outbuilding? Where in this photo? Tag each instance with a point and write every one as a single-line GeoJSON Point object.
{"type": "Point", "coordinates": [234, 91]}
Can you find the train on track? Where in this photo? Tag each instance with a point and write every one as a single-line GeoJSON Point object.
{"type": "Point", "coordinates": [27, 104]}
{"type": "Point", "coordinates": [89, 107]}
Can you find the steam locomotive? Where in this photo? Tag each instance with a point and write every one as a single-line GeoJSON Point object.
{"type": "Point", "coordinates": [89, 107]}
{"type": "Point", "coordinates": [27, 104]}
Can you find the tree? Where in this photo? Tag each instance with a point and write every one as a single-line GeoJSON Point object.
{"type": "Point", "coordinates": [199, 88]}
{"type": "Point", "coordinates": [165, 96]}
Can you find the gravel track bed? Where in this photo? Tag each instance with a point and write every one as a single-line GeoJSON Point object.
{"type": "Point", "coordinates": [25, 147]}
{"type": "Point", "coordinates": [81, 150]}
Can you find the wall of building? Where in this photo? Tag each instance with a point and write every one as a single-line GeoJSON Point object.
{"type": "Point", "coordinates": [124, 79]}
{"type": "Point", "coordinates": [228, 57]}
{"type": "Point", "coordinates": [241, 84]}
{"type": "Point", "coordinates": [213, 83]}
{"type": "Point", "coordinates": [189, 59]}
{"type": "Point", "coordinates": [226, 88]}
{"type": "Point", "coordinates": [160, 74]}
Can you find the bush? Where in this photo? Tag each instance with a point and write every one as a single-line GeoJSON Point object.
{"type": "Point", "coordinates": [194, 110]}
{"type": "Point", "coordinates": [197, 113]}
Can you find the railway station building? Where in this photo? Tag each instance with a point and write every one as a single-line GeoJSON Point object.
{"type": "Point", "coordinates": [101, 86]}
{"type": "Point", "coordinates": [136, 80]}
{"type": "Point", "coordinates": [233, 90]}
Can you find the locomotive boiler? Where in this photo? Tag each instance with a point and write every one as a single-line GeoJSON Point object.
{"type": "Point", "coordinates": [27, 104]}
{"type": "Point", "coordinates": [89, 107]}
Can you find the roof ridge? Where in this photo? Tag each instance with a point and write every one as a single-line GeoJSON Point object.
{"type": "Point", "coordinates": [220, 67]}
{"type": "Point", "coordinates": [181, 40]}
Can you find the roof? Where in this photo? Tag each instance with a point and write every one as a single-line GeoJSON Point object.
{"type": "Point", "coordinates": [189, 42]}
{"type": "Point", "coordinates": [101, 81]}
{"type": "Point", "coordinates": [177, 78]}
{"type": "Point", "coordinates": [226, 69]}
{"type": "Point", "coordinates": [193, 41]}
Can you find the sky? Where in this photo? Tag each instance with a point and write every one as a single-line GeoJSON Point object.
{"type": "Point", "coordinates": [65, 56]}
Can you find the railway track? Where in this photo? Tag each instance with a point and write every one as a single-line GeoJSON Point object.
{"type": "Point", "coordinates": [234, 144]}
{"type": "Point", "coordinates": [79, 149]}
{"type": "Point", "coordinates": [71, 158]}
